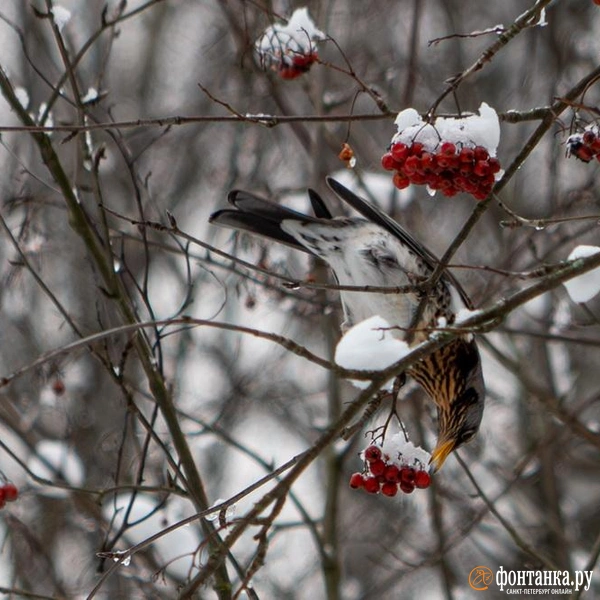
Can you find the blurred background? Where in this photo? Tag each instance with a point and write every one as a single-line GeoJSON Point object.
{"type": "Point", "coordinates": [80, 432]}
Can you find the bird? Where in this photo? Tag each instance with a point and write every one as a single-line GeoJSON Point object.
{"type": "Point", "coordinates": [374, 250]}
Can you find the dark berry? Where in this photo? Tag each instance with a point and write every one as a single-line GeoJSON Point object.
{"type": "Point", "coordinates": [407, 475]}
{"type": "Point", "coordinates": [372, 453]}
{"type": "Point", "coordinates": [406, 487]}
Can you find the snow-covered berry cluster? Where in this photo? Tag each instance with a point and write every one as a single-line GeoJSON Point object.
{"type": "Point", "coordinates": [450, 169]}
{"type": "Point", "coordinates": [8, 493]}
{"type": "Point", "coordinates": [290, 48]}
{"type": "Point", "coordinates": [585, 145]}
{"type": "Point", "coordinates": [397, 465]}
{"type": "Point", "coordinates": [449, 154]}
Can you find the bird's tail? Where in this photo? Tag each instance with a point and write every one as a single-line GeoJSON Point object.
{"type": "Point", "coordinates": [263, 217]}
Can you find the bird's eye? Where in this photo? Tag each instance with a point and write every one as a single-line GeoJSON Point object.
{"type": "Point", "coordinates": [466, 436]}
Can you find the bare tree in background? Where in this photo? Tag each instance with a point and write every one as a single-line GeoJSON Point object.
{"type": "Point", "coordinates": [169, 408]}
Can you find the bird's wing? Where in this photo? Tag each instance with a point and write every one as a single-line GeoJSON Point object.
{"type": "Point", "coordinates": [375, 215]}
{"type": "Point", "coordinates": [262, 217]}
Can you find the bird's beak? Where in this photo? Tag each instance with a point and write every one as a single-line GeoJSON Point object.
{"type": "Point", "coordinates": [440, 454]}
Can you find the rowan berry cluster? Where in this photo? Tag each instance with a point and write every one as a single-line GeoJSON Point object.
{"type": "Point", "coordinates": [586, 145]}
{"type": "Point", "coordinates": [386, 476]}
{"type": "Point", "coordinates": [450, 168]}
{"type": "Point", "coordinates": [8, 493]}
{"type": "Point", "coordinates": [289, 48]}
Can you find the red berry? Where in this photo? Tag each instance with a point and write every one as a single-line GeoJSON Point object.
{"type": "Point", "coordinates": [388, 162]}
{"type": "Point", "coordinates": [470, 186]}
{"type": "Point", "coordinates": [481, 168]}
{"type": "Point", "coordinates": [428, 161]}
{"type": "Point", "coordinates": [583, 153]}
{"type": "Point", "coordinates": [389, 489]}
{"type": "Point", "coordinates": [448, 148]}
{"type": "Point", "coordinates": [406, 487]}
{"type": "Point", "coordinates": [392, 474]}
{"type": "Point", "coordinates": [466, 155]}
{"type": "Point", "coordinates": [416, 149]}
{"type": "Point", "coordinates": [422, 479]}
{"type": "Point", "coordinates": [58, 387]}
{"type": "Point", "coordinates": [418, 178]}
{"type": "Point", "coordinates": [597, 2]}
{"type": "Point", "coordinates": [443, 161]}
{"type": "Point", "coordinates": [411, 165]}
{"type": "Point", "coordinates": [399, 151]}
{"type": "Point", "coordinates": [400, 181]}
{"type": "Point", "coordinates": [435, 182]}
{"type": "Point", "coordinates": [291, 72]}
{"type": "Point", "coordinates": [357, 480]}
{"type": "Point", "coordinates": [304, 61]}
{"type": "Point", "coordinates": [377, 467]}
{"type": "Point", "coordinates": [11, 493]}
{"type": "Point", "coordinates": [494, 165]}
{"type": "Point", "coordinates": [371, 485]}
{"type": "Point", "coordinates": [407, 475]}
{"type": "Point", "coordinates": [480, 153]}
{"type": "Point", "coordinates": [588, 137]}
{"type": "Point", "coordinates": [450, 192]}
{"type": "Point", "coordinates": [460, 182]}
{"type": "Point", "coordinates": [372, 453]}
{"type": "Point", "coordinates": [480, 195]}
{"type": "Point", "coordinates": [595, 145]}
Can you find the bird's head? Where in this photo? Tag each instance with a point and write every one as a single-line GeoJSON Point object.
{"type": "Point", "coordinates": [458, 423]}
{"type": "Point", "coordinates": [459, 400]}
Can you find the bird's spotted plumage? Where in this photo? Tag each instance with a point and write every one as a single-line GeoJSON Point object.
{"type": "Point", "coordinates": [375, 251]}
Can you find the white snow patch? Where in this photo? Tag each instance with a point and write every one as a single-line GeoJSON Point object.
{"type": "Point", "coordinates": [475, 130]}
{"type": "Point", "coordinates": [464, 314]}
{"type": "Point", "coordinates": [370, 346]}
{"type": "Point", "coordinates": [90, 96]}
{"type": "Point", "coordinates": [586, 286]}
{"type": "Point", "coordinates": [22, 96]}
{"type": "Point", "coordinates": [403, 452]}
{"type": "Point", "coordinates": [61, 16]}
